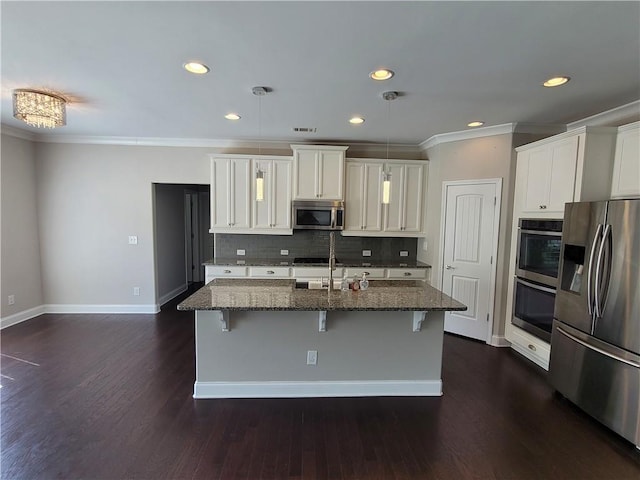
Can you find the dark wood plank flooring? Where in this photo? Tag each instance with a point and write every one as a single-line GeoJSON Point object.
{"type": "Point", "coordinates": [109, 397]}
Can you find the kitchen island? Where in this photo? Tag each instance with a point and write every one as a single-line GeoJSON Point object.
{"type": "Point", "coordinates": [255, 338]}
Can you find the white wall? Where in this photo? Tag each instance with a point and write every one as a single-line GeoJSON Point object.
{"type": "Point", "coordinates": [170, 241]}
{"type": "Point", "coordinates": [91, 198]}
{"type": "Point", "coordinates": [478, 158]}
{"type": "Point", "coordinates": [20, 256]}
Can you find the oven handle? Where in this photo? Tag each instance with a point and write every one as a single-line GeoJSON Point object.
{"type": "Point", "coordinates": [541, 232]}
{"type": "Point", "coordinates": [535, 286]}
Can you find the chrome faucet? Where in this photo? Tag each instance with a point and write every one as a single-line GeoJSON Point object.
{"type": "Point", "coordinates": [332, 258]}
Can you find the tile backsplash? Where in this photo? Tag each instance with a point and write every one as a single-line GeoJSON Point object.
{"type": "Point", "coordinates": [314, 243]}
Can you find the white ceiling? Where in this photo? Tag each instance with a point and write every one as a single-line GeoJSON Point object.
{"type": "Point", "coordinates": [120, 64]}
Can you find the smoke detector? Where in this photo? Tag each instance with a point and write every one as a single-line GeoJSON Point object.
{"type": "Point", "coordinates": [390, 95]}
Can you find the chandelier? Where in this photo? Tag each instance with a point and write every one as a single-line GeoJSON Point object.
{"type": "Point", "coordinates": [39, 109]}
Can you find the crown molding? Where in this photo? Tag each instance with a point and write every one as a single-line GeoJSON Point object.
{"type": "Point", "coordinates": [613, 117]}
{"type": "Point", "coordinates": [18, 132]}
{"type": "Point", "coordinates": [467, 135]}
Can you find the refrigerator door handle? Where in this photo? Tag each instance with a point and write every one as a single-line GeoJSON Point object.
{"type": "Point", "coordinates": [600, 293]}
{"type": "Point", "coordinates": [591, 270]}
{"type": "Point", "coordinates": [599, 350]}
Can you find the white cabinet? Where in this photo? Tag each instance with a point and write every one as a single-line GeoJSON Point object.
{"type": "Point", "coordinates": [230, 194]}
{"type": "Point", "coordinates": [272, 214]}
{"type": "Point", "coordinates": [318, 172]}
{"type": "Point", "coordinates": [626, 164]}
{"type": "Point", "coordinates": [269, 272]}
{"type": "Point", "coordinates": [365, 215]}
{"type": "Point", "coordinates": [404, 211]}
{"type": "Point", "coordinates": [551, 174]}
{"type": "Point", "coordinates": [223, 271]}
{"type": "Point", "coordinates": [363, 197]}
{"type": "Point", "coordinates": [569, 167]}
{"type": "Point", "coordinates": [406, 273]}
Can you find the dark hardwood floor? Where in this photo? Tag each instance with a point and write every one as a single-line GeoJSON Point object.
{"type": "Point", "coordinates": [109, 397]}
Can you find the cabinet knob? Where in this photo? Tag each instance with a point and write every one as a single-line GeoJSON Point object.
{"type": "Point", "coordinates": [543, 207]}
{"type": "Point", "coordinates": [532, 347]}
{"type": "Point", "coordinates": [449, 267]}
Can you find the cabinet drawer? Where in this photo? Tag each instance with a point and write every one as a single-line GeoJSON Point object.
{"type": "Point", "coordinates": [407, 273]}
{"type": "Point", "coordinates": [536, 350]}
{"type": "Point", "coordinates": [371, 272]}
{"type": "Point", "coordinates": [315, 272]}
{"type": "Point", "coordinates": [223, 271]}
{"type": "Point", "coordinates": [270, 272]}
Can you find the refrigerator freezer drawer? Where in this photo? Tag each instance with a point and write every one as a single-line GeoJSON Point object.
{"type": "Point", "coordinates": [601, 382]}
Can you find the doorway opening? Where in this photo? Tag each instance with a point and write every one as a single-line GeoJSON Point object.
{"type": "Point", "coordinates": [181, 238]}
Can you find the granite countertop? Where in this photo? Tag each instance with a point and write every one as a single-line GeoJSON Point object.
{"type": "Point", "coordinates": [254, 294]}
{"type": "Point", "coordinates": [288, 262]}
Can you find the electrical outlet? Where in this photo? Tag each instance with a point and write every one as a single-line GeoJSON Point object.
{"type": "Point", "coordinates": [240, 252]}
{"type": "Point", "coordinates": [404, 253]}
{"type": "Point", "coordinates": [284, 252]}
{"type": "Point", "coordinates": [133, 240]}
{"type": "Point", "coordinates": [312, 357]}
{"type": "Point", "coordinates": [366, 253]}
{"type": "Point", "coordinates": [12, 299]}
{"type": "Point", "coordinates": [136, 291]}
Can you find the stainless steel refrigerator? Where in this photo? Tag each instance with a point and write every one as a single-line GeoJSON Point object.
{"type": "Point", "coordinates": [595, 341]}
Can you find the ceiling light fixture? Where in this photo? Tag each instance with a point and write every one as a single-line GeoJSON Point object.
{"type": "Point", "coordinates": [381, 74]}
{"type": "Point", "coordinates": [356, 120]}
{"type": "Point", "coordinates": [259, 92]}
{"type": "Point", "coordinates": [196, 67]}
{"type": "Point", "coordinates": [232, 116]}
{"type": "Point", "coordinates": [475, 124]}
{"type": "Point", "coordinates": [386, 175]}
{"type": "Point", "coordinates": [556, 81]}
{"type": "Point", "coordinates": [39, 109]}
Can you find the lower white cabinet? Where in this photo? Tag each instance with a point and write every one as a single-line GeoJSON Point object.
{"type": "Point", "coordinates": [406, 273]}
{"type": "Point", "coordinates": [220, 271]}
{"type": "Point", "coordinates": [535, 349]}
{"type": "Point", "coordinates": [372, 273]}
{"type": "Point", "coordinates": [269, 272]}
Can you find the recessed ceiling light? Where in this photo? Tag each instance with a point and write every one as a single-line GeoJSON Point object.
{"type": "Point", "coordinates": [556, 81]}
{"type": "Point", "coordinates": [197, 68]}
{"type": "Point", "coordinates": [356, 120]}
{"type": "Point", "coordinates": [232, 116]}
{"type": "Point", "coordinates": [381, 74]}
{"type": "Point", "coordinates": [475, 124]}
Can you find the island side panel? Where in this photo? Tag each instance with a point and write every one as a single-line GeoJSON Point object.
{"type": "Point", "coordinates": [362, 353]}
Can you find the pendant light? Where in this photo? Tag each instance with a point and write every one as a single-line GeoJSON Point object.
{"type": "Point", "coordinates": [386, 175]}
{"type": "Point", "coordinates": [259, 92]}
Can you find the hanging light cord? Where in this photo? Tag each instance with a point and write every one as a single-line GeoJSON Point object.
{"type": "Point", "coordinates": [259, 124]}
{"type": "Point", "coordinates": [388, 124]}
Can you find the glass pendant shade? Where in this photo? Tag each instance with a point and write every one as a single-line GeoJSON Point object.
{"type": "Point", "coordinates": [386, 190]}
{"type": "Point", "coordinates": [259, 186]}
{"type": "Point", "coordinates": [39, 109]}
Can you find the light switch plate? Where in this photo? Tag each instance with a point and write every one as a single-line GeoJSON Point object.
{"type": "Point", "coordinates": [240, 252]}
{"type": "Point", "coordinates": [133, 239]}
{"type": "Point", "coordinates": [284, 252]}
{"type": "Point", "coordinates": [404, 253]}
{"type": "Point", "coordinates": [366, 253]}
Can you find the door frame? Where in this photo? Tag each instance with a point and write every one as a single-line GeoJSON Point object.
{"type": "Point", "coordinates": [497, 182]}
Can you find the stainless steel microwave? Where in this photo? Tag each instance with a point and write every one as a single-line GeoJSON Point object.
{"type": "Point", "coordinates": [318, 215]}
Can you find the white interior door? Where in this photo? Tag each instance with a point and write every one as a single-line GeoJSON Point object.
{"type": "Point", "coordinates": [471, 218]}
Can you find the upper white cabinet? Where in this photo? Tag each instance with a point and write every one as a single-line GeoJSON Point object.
{"type": "Point", "coordinates": [318, 172]}
{"type": "Point", "coordinates": [230, 193]}
{"type": "Point", "coordinates": [366, 215]}
{"type": "Point", "coordinates": [363, 197]}
{"type": "Point", "coordinates": [235, 207]}
{"type": "Point", "coordinates": [626, 163]}
{"type": "Point", "coordinates": [569, 167]}
{"type": "Point", "coordinates": [273, 212]}
{"type": "Point", "coordinates": [404, 211]}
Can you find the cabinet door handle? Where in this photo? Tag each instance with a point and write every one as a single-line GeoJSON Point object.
{"type": "Point", "coordinates": [532, 347]}
{"type": "Point", "coordinates": [407, 274]}
{"type": "Point", "coordinates": [450, 267]}
{"type": "Point", "coordinates": [270, 272]}
{"type": "Point", "coordinates": [227, 271]}
{"type": "Point", "coordinates": [543, 207]}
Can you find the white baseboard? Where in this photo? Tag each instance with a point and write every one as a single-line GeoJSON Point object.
{"type": "Point", "coordinates": [21, 316]}
{"type": "Point", "coordinates": [418, 388]}
{"type": "Point", "coordinates": [172, 294]}
{"type": "Point", "coordinates": [67, 308]}
{"type": "Point", "coordinates": [499, 341]}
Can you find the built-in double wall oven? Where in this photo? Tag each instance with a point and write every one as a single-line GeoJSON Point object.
{"type": "Point", "coordinates": [536, 279]}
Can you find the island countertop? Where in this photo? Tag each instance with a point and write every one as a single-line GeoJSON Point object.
{"type": "Point", "coordinates": [272, 294]}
